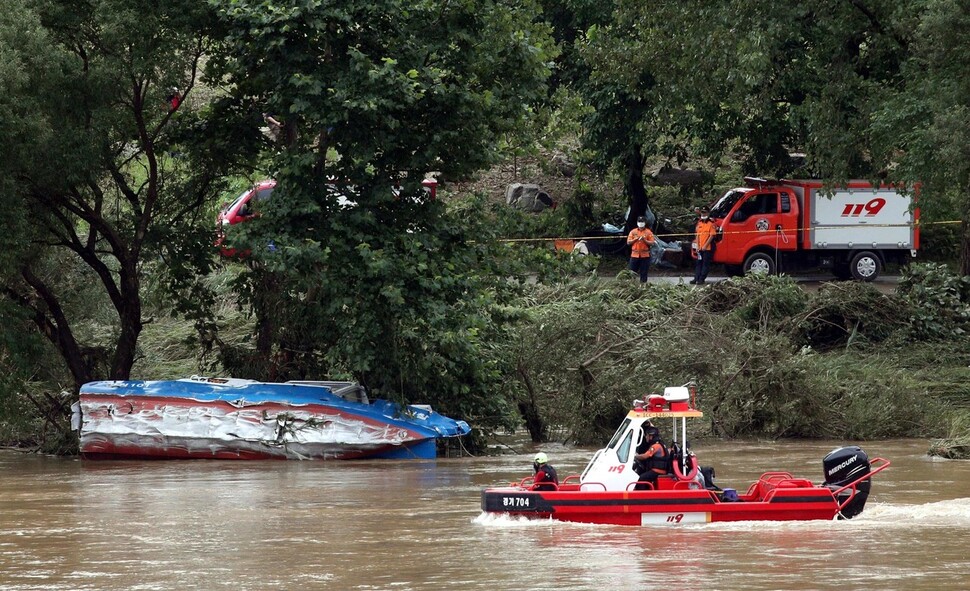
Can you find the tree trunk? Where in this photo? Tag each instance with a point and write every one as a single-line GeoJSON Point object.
{"type": "Point", "coordinates": [55, 327]}
{"type": "Point", "coordinates": [635, 189]}
{"type": "Point", "coordinates": [263, 302]}
{"type": "Point", "coordinates": [529, 410]}
{"type": "Point", "coordinates": [965, 247]}
{"type": "Point", "coordinates": [129, 317]}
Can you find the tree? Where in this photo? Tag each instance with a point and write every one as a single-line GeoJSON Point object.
{"type": "Point", "coordinates": [392, 290]}
{"type": "Point", "coordinates": [94, 190]}
{"type": "Point", "coordinates": [924, 127]}
{"type": "Point", "coordinates": [866, 89]}
{"type": "Point", "coordinates": [619, 106]}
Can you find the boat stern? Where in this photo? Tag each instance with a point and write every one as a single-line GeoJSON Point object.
{"type": "Point", "coordinates": [848, 474]}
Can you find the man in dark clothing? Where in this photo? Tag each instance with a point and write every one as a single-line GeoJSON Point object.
{"type": "Point", "coordinates": [651, 456]}
{"type": "Point", "coordinates": [545, 475]}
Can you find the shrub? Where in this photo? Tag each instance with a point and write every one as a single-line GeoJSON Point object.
{"type": "Point", "coordinates": [937, 301]}
{"type": "Point", "coordinates": [849, 314]}
{"type": "Point", "coordinates": [593, 347]}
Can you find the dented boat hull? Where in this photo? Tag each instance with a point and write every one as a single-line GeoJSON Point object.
{"type": "Point", "coordinates": [243, 419]}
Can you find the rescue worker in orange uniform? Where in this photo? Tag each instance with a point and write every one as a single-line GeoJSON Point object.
{"type": "Point", "coordinates": [704, 234]}
{"type": "Point", "coordinates": [640, 240]}
{"type": "Point", "coordinates": [651, 457]}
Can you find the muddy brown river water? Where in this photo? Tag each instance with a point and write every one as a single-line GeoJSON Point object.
{"type": "Point", "coordinates": [401, 526]}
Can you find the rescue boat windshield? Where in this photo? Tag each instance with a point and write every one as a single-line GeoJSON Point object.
{"type": "Point", "coordinates": [618, 434]}
{"type": "Point", "coordinates": [723, 206]}
{"type": "Point", "coordinates": [623, 452]}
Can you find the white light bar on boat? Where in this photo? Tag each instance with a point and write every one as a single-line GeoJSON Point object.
{"type": "Point", "coordinates": [676, 394]}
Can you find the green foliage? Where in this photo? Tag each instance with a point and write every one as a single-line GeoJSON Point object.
{"type": "Point", "coordinates": [937, 301]}
{"type": "Point", "coordinates": [851, 314]}
{"type": "Point", "coordinates": [512, 223]}
{"type": "Point", "coordinates": [99, 188]}
{"type": "Point", "coordinates": [922, 124]}
{"type": "Point", "coordinates": [767, 302]}
{"type": "Point", "coordinates": [369, 81]}
{"type": "Point", "coordinates": [939, 242]}
{"type": "Point", "coordinates": [598, 336]}
{"type": "Point", "coordinates": [955, 444]}
{"type": "Point", "coordinates": [590, 348]}
{"type": "Point", "coordinates": [864, 90]}
{"type": "Point", "coordinates": [20, 350]}
{"type": "Point", "coordinates": [395, 290]}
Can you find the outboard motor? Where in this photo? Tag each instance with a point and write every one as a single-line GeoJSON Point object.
{"type": "Point", "coordinates": [843, 466]}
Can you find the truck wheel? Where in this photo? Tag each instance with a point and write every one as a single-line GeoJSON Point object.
{"type": "Point", "coordinates": [865, 266]}
{"type": "Point", "coordinates": [759, 263]}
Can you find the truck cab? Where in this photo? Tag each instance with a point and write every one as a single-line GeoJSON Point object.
{"type": "Point", "coordinates": [756, 225]}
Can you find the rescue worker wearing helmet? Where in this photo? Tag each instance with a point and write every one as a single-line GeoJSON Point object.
{"type": "Point", "coordinates": [545, 475]}
{"type": "Point", "coordinates": [651, 459]}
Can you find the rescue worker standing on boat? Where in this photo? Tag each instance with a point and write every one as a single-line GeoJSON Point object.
{"type": "Point", "coordinates": [651, 457]}
{"type": "Point", "coordinates": [545, 475]}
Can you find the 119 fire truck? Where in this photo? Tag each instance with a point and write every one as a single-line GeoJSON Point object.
{"type": "Point", "coordinates": [790, 225]}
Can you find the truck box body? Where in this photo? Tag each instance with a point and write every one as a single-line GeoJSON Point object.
{"type": "Point", "coordinates": [788, 225]}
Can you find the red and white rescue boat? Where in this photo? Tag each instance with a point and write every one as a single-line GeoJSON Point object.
{"type": "Point", "coordinates": [608, 490]}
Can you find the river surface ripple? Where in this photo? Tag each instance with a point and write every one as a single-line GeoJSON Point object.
{"type": "Point", "coordinates": [401, 526]}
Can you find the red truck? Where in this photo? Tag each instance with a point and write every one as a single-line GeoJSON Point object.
{"type": "Point", "coordinates": [788, 225]}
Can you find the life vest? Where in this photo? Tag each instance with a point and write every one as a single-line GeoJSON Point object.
{"type": "Point", "coordinates": [704, 234]}
{"type": "Point", "coordinates": [640, 249]}
{"type": "Point", "coordinates": [546, 474]}
{"type": "Point", "coordinates": [658, 461]}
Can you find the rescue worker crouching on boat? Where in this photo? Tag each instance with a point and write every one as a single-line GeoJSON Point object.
{"type": "Point", "coordinates": [651, 459]}
{"type": "Point", "coordinates": [545, 475]}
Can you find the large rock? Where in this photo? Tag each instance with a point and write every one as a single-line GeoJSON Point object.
{"type": "Point", "coordinates": [685, 177]}
{"type": "Point", "coordinates": [527, 197]}
{"type": "Point", "coordinates": [563, 165]}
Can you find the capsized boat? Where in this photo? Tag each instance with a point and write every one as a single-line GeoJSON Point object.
{"type": "Point", "coordinates": [227, 418]}
{"type": "Point", "coordinates": [608, 491]}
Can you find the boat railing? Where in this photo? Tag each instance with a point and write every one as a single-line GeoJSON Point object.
{"type": "Point", "coordinates": [767, 483]}
{"type": "Point", "coordinates": [761, 489]}
{"type": "Point", "coordinates": [529, 483]}
{"type": "Point", "coordinates": [687, 485]}
{"type": "Point", "coordinates": [595, 485]}
{"type": "Point", "coordinates": [569, 480]}
{"type": "Point", "coordinates": [852, 487]}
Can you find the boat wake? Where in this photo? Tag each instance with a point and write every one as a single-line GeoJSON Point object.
{"type": "Point", "coordinates": [506, 520]}
{"type": "Point", "coordinates": [952, 513]}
